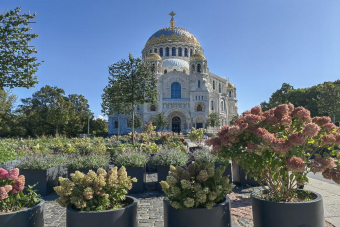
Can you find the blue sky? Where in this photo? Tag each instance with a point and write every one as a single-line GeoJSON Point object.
{"type": "Point", "coordinates": [258, 44]}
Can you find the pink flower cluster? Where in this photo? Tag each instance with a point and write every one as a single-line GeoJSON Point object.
{"type": "Point", "coordinates": [311, 130]}
{"type": "Point", "coordinates": [296, 164]}
{"type": "Point", "coordinates": [321, 121]}
{"type": "Point", "coordinates": [297, 138]}
{"type": "Point", "coordinates": [281, 146]}
{"type": "Point", "coordinates": [302, 113]}
{"type": "Point", "coordinates": [13, 182]}
{"type": "Point", "coordinates": [320, 164]}
{"type": "Point", "coordinates": [332, 174]}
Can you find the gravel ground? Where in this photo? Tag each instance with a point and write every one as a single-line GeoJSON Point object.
{"type": "Point", "coordinates": [150, 208]}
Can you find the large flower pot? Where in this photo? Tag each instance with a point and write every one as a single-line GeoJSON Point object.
{"type": "Point", "coordinates": [46, 179]}
{"type": "Point", "coordinates": [283, 214]}
{"type": "Point", "coordinates": [218, 216]}
{"type": "Point", "coordinates": [140, 174]}
{"type": "Point", "coordinates": [162, 173]}
{"type": "Point", "coordinates": [227, 171]}
{"type": "Point", "coordinates": [10, 164]}
{"type": "Point", "coordinates": [240, 177]}
{"type": "Point", "coordinates": [31, 217]}
{"type": "Point", "coordinates": [122, 217]}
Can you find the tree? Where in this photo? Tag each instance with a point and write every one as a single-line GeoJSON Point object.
{"type": "Point", "coordinates": [78, 115]}
{"type": "Point", "coordinates": [137, 81]}
{"type": "Point", "coordinates": [138, 123]}
{"type": "Point", "coordinates": [99, 127]}
{"type": "Point", "coordinates": [329, 99]}
{"type": "Point", "coordinates": [113, 100]}
{"type": "Point", "coordinates": [278, 97]}
{"type": "Point", "coordinates": [160, 120]}
{"type": "Point", "coordinates": [233, 120]}
{"type": "Point", "coordinates": [7, 117]}
{"type": "Point", "coordinates": [213, 120]}
{"type": "Point", "coordinates": [17, 66]}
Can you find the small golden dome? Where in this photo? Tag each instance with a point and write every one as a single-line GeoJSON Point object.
{"type": "Point", "coordinates": [230, 85]}
{"type": "Point", "coordinates": [153, 57]}
{"type": "Point", "coordinates": [197, 57]}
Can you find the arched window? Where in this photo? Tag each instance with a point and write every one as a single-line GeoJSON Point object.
{"type": "Point", "coordinates": [229, 93]}
{"type": "Point", "coordinates": [193, 68]}
{"type": "Point", "coordinates": [198, 83]}
{"type": "Point", "coordinates": [175, 90]}
{"type": "Point", "coordinates": [199, 108]}
{"type": "Point", "coordinates": [214, 84]}
{"type": "Point", "coordinates": [153, 107]}
{"type": "Point", "coordinates": [173, 51]}
{"type": "Point", "coordinates": [190, 52]}
{"type": "Point", "coordinates": [222, 106]}
{"type": "Point", "coordinates": [186, 52]}
{"type": "Point", "coordinates": [155, 50]}
{"type": "Point", "coordinates": [167, 52]}
{"type": "Point", "coordinates": [180, 51]}
{"type": "Point", "coordinates": [199, 68]}
{"type": "Point", "coordinates": [219, 88]}
{"type": "Point", "coordinates": [161, 52]}
{"type": "Point", "coordinates": [212, 105]}
{"type": "Point", "coordinates": [165, 71]}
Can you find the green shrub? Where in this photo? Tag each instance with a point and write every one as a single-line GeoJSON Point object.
{"type": "Point", "coordinates": [169, 156]}
{"type": "Point", "coordinates": [87, 161]}
{"type": "Point", "coordinates": [205, 156]}
{"type": "Point", "coordinates": [131, 159]}
{"type": "Point", "coordinates": [42, 161]}
{"type": "Point", "coordinates": [199, 185]}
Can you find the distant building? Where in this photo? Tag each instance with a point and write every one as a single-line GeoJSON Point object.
{"type": "Point", "coordinates": [188, 91]}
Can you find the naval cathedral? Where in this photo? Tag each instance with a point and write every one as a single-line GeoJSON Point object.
{"type": "Point", "coordinates": [188, 91]}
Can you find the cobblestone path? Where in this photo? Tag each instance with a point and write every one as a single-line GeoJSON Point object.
{"type": "Point", "coordinates": [150, 208]}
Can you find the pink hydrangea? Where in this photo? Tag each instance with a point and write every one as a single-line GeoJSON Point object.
{"type": "Point", "coordinates": [3, 174]}
{"type": "Point", "coordinates": [302, 113]}
{"type": "Point", "coordinates": [281, 110]}
{"type": "Point", "coordinates": [234, 139]}
{"type": "Point", "coordinates": [268, 138]}
{"type": "Point", "coordinates": [337, 138]}
{"type": "Point", "coordinates": [328, 162]}
{"type": "Point", "coordinates": [256, 110]}
{"type": "Point", "coordinates": [329, 127]}
{"type": "Point", "coordinates": [321, 121]}
{"type": "Point", "coordinates": [224, 130]}
{"type": "Point", "coordinates": [311, 130]}
{"type": "Point", "coordinates": [8, 188]}
{"type": "Point", "coordinates": [259, 132]}
{"type": "Point", "coordinates": [246, 113]}
{"type": "Point", "coordinates": [268, 112]}
{"type": "Point", "coordinates": [251, 147]}
{"type": "Point", "coordinates": [271, 119]}
{"type": "Point", "coordinates": [297, 138]}
{"type": "Point", "coordinates": [290, 108]}
{"type": "Point", "coordinates": [3, 193]}
{"type": "Point", "coordinates": [19, 185]}
{"type": "Point", "coordinates": [328, 140]}
{"type": "Point", "coordinates": [252, 119]}
{"type": "Point", "coordinates": [281, 146]}
{"type": "Point", "coordinates": [13, 174]}
{"type": "Point", "coordinates": [328, 174]}
{"type": "Point", "coordinates": [286, 120]}
{"type": "Point", "coordinates": [239, 120]}
{"type": "Point", "coordinates": [336, 175]}
{"type": "Point", "coordinates": [296, 164]}
{"type": "Point", "coordinates": [317, 166]}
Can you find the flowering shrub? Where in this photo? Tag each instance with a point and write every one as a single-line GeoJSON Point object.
{"type": "Point", "coordinates": [12, 197]}
{"type": "Point", "coordinates": [149, 148]}
{"type": "Point", "coordinates": [166, 137]}
{"type": "Point", "coordinates": [168, 156]}
{"type": "Point", "coordinates": [196, 135]}
{"type": "Point", "coordinates": [95, 191]}
{"type": "Point", "coordinates": [149, 128]}
{"type": "Point", "coordinates": [199, 185]}
{"type": "Point", "coordinates": [131, 158]}
{"type": "Point", "coordinates": [276, 147]}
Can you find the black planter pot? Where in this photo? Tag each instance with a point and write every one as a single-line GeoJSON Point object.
{"type": "Point", "coordinates": [218, 216]}
{"type": "Point", "coordinates": [10, 164]}
{"type": "Point", "coordinates": [227, 171]}
{"type": "Point", "coordinates": [140, 174]}
{"type": "Point", "coordinates": [31, 217]}
{"type": "Point", "coordinates": [162, 173]}
{"type": "Point", "coordinates": [83, 170]}
{"type": "Point", "coordinates": [123, 217]}
{"type": "Point", "coordinates": [240, 177]}
{"type": "Point", "coordinates": [46, 179]}
{"type": "Point", "coordinates": [308, 213]}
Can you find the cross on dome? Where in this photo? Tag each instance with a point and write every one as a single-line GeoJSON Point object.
{"type": "Point", "coordinates": [172, 21]}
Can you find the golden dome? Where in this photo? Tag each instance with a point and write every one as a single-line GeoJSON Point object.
{"type": "Point", "coordinates": [197, 56]}
{"type": "Point", "coordinates": [153, 57]}
{"type": "Point", "coordinates": [230, 85]}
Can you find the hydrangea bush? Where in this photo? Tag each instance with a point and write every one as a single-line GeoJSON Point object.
{"type": "Point", "coordinates": [95, 191]}
{"type": "Point", "coordinates": [12, 197]}
{"type": "Point", "coordinates": [199, 185]}
{"type": "Point", "coordinates": [277, 148]}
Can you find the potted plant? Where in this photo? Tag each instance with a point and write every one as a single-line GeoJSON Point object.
{"type": "Point", "coordinates": [10, 154]}
{"type": "Point", "coordinates": [275, 147]}
{"type": "Point", "coordinates": [205, 156]}
{"type": "Point", "coordinates": [165, 158]}
{"type": "Point", "coordinates": [42, 169]}
{"type": "Point", "coordinates": [196, 136]}
{"type": "Point", "coordinates": [84, 163]}
{"type": "Point", "coordinates": [196, 196]}
{"type": "Point", "coordinates": [98, 199]}
{"type": "Point", "coordinates": [134, 162]}
{"type": "Point", "coordinates": [16, 208]}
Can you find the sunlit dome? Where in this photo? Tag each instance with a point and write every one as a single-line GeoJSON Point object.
{"type": "Point", "coordinates": [179, 63]}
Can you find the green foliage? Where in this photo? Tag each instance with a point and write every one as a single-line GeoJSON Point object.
{"type": "Point", "coordinates": [131, 159]}
{"type": "Point", "coordinates": [8, 151]}
{"type": "Point", "coordinates": [170, 156]}
{"type": "Point", "coordinates": [205, 156]}
{"type": "Point", "coordinates": [199, 185]}
{"type": "Point", "coordinates": [160, 120]}
{"type": "Point", "coordinates": [196, 135]}
{"type": "Point", "coordinates": [329, 99]}
{"type": "Point", "coordinates": [42, 161]}
{"type": "Point", "coordinates": [138, 123]}
{"type": "Point", "coordinates": [278, 97]}
{"type": "Point", "coordinates": [213, 120]}
{"type": "Point", "coordinates": [87, 161]}
{"type": "Point", "coordinates": [149, 128]}
{"type": "Point", "coordinates": [95, 191]}
{"type": "Point", "coordinates": [17, 65]}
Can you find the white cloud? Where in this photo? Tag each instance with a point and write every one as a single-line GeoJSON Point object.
{"type": "Point", "coordinates": [102, 117]}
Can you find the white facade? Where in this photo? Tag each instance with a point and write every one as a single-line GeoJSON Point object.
{"type": "Point", "coordinates": [187, 90]}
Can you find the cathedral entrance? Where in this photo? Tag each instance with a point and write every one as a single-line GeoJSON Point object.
{"type": "Point", "coordinates": [199, 125]}
{"type": "Point", "coordinates": [176, 124]}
